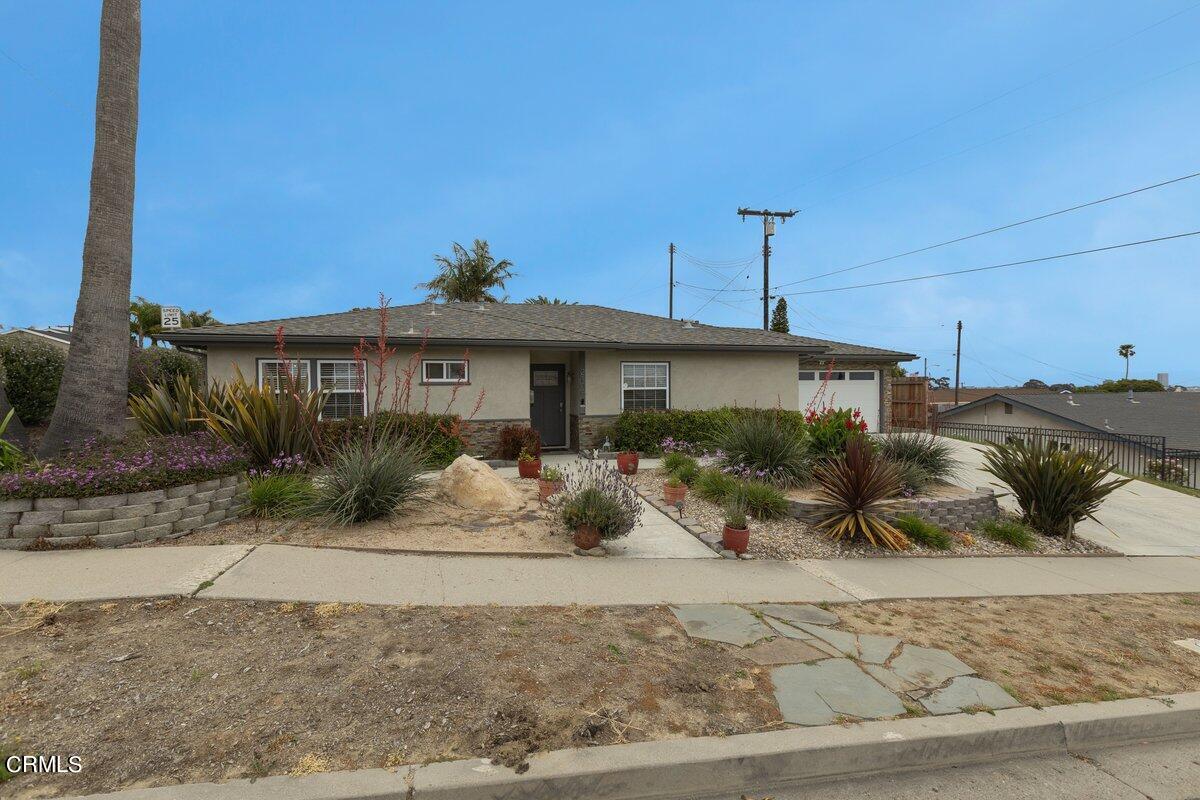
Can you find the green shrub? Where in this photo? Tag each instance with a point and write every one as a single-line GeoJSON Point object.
{"type": "Point", "coordinates": [762, 500]}
{"type": "Point", "coordinates": [923, 532]}
{"type": "Point", "coordinates": [923, 458]}
{"type": "Point", "coordinates": [1008, 531]}
{"type": "Point", "coordinates": [10, 454]}
{"type": "Point", "coordinates": [31, 373]}
{"type": "Point", "coordinates": [714, 486]}
{"type": "Point", "coordinates": [855, 486]}
{"type": "Point", "coordinates": [517, 438]}
{"type": "Point", "coordinates": [170, 408]}
{"type": "Point", "coordinates": [673, 461]}
{"type": "Point", "coordinates": [440, 434]}
{"type": "Point", "coordinates": [832, 429]}
{"type": "Point", "coordinates": [279, 494]}
{"type": "Point", "coordinates": [597, 495]}
{"type": "Point", "coordinates": [757, 447]}
{"type": "Point", "coordinates": [645, 431]}
{"type": "Point", "coordinates": [264, 423]}
{"type": "Point", "coordinates": [366, 481]}
{"type": "Point", "coordinates": [684, 467]}
{"type": "Point", "coordinates": [1054, 488]}
{"type": "Point", "coordinates": [161, 365]}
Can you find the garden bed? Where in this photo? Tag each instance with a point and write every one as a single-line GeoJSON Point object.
{"type": "Point", "coordinates": [428, 525]}
{"type": "Point", "coordinates": [789, 538]}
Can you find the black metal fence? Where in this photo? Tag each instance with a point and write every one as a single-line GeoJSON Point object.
{"type": "Point", "coordinates": [1141, 455]}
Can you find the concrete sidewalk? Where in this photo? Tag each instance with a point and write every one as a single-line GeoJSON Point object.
{"type": "Point", "coordinates": [281, 573]}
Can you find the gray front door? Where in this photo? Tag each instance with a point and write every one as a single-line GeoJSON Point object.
{"type": "Point", "coordinates": [548, 403]}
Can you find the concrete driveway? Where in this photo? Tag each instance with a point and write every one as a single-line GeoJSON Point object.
{"type": "Point", "coordinates": [1139, 519]}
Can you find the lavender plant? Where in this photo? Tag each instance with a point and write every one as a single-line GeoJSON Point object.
{"type": "Point", "coordinates": [596, 494]}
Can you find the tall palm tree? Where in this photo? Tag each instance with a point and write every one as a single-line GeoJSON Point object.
{"type": "Point", "coordinates": [468, 277]}
{"type": "Point", "coordinates": [145, 320]}
{"type": "Point", "coordinates": [1126, 352]}
{"type": "Point", "coordinates": [198, 319]}
{"type": "Point", "coordinates": [93, 394]}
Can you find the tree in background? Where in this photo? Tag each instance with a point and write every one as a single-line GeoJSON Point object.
{"type": "Point", "coordinates": [1034, 383]}
{"type": "Point", "coordinates": [542, 300]}
{"type": "Point", "coordinates": [1126, 352]}
{"type": "Point", "coordinates": [198, 319]}
{"type": "Point", "coordinates": [939, 383]}
{"type": "Point", "coordinates": [468, 277]}
{"type": "Point", "coordinates": [1135, 384]}
{"type": "Point", "coordinates": [145, 320]}
{"type": "Point", "coordinates": [93, 397]}
{"type": "Point", "coordinates": [779, 317]}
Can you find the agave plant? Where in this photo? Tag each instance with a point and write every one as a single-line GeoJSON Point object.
{"type": "Point", "coordinates": [263, 422]}
{"type": "Point", "coordinates": [855, 486]}
{"type": "Point", "coordinates": [1054, 488]}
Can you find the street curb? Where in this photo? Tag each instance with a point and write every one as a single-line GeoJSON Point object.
{"type": "Point", "coordinates": [708, 767]}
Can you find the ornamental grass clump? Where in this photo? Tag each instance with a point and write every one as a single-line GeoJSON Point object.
{"type": "Point", "coordinates": [923, 532]}
{"type": "Point", "coordinates": [922, 458]}
{"type": "Point", "coordinates": [714, 486]}
{"type": "Point", "coordinates": [1009, 531]}
{"type": "Point", "coordinates": [1054, 488]}
{"type": "Point", "coordinates": [683, 467]}
{"type": "Point", "coordinates": [856, 486]}
{"type": "Point", "coordinates": [761, 500]}
{"type": "Point", "coordinates": [757, 446]}
{"type": "Point", "coordinates": [280, 494]}
{"type": "Point", "coordinates": [368, 480]}
{"type": "Point", "coordinates": [135, 465]}
{"type": "Point", "coordinates": [595, 494]}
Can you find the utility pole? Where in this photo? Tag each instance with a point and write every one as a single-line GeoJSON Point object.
{"type": "Point", "coordinates": [768, 218]}
{"type": "Point", "coordinates": [671, 280]}
{"type": "Point", "coordinates": [957, 360]}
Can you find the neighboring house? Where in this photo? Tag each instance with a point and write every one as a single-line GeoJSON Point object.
{"type": "Point", "coordinates": [54, 336]}
{"type": "Point", "coordinates": [568, 370]}
{"type": "Point", "coordinates": [1175, 415]}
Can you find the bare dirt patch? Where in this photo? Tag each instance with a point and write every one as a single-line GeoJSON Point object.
{"type": "Point", "coordinates": [789, 538]}
{"type": "Point", "coordinates": [1053, 650]}
{"type": "Point", "coordinates": [180, 691]}
{"type": "Point", "coordinates": [430, 525]}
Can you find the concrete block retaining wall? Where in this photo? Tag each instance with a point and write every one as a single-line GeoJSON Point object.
{"type": "Point", "coordinates": [117, 519]}
{"type": "Point", "coordinates": [956, 513]}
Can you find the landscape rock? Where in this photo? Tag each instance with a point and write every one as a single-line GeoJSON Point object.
{"type": "Point", "coordinates": [927, 666]}
{"type": "Point", "coordinates": [721, 623]}
{"type": "Point", "coordinates": [797, 613]}
{"type": "Point", "coordinates": [817, 694]}
{"type": "Point", "coordinates": [469, 483]}
{"type": "Point", "coordinates": [967, 693]}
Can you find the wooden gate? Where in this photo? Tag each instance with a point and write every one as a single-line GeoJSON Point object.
{"type": "Point", "coordinates": [910, 403]}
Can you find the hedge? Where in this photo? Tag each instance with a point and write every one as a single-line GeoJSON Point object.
{"type": "Point", "coordinates": [160, 365]}
{"type": "Point", "coordinates": [644, 430]}
{"type": "Point", "coordinates": [32, 373]}
{"type": "Point", "coordinates": [441, 431]}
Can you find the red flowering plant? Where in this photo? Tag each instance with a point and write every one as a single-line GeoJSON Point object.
{"type": "Point", "coordinates": [831, 428]}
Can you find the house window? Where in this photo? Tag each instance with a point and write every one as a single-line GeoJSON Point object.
{"type": "Point", "coordinates": [645, 386]}
{"type": "Point", "coordinates": [449, 371]}
{"type": "Point", "coordinates": [273, 374]}
{"type": "Point", "coordinates": [808, 376]}
{"type": "Point", "coordinates": [347, 389]}
{"type": "Point", "coordinates": [837, 376]}
{"type": "Point", "coordinates": [862, 376]}
{"type": "Point", "coordinates": [1008, 408]}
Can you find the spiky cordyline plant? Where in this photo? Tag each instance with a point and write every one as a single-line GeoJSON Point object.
{"type": "Point", "coordinates": [855, 486]}
{"type": "Point", "coordinates": [1055, 488]}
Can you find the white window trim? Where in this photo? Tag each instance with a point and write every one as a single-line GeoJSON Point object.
{"type": "Point", "coordinates": [301, 364]}
{"type": "Point", "coordinates": [666, 364]}
{"type": "Point", "coordinates": [466, 378]}
{"type": "Point", "coordinates": [351, 361]}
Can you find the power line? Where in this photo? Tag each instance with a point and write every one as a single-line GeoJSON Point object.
{"type": "Point", "coordinates": [998, 266]}
{"type": "Point", "coordinates": [987, 102]}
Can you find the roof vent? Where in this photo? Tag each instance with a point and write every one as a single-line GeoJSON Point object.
{"type": "Point", "coordinates": [411, 330]}
{"type": "Point", "coordinates": [1129, 397]}
{"type": "Point", "coordinates": [1108, 427]}
{"type": "Point", "coordinates": [433, 310]}
{"type": "Point", "coordinates": [1070, 399]}
{"type": "Point", "coordinates": [689, 324]}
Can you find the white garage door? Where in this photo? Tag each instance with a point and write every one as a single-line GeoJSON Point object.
{"type": "Point", "coordinates": [851, 388]}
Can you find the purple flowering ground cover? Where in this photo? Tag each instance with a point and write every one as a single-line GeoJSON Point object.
{"type": "Point", "coordinates": [134, 465]}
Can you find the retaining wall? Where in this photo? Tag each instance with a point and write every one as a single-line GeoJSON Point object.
{"type": "Point", "coordinates": [956, 513]}
{"type": "Point", "coordinates": [117, 519]}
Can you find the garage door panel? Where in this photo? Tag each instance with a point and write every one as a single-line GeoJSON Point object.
{"type": "Point", "coordinates": [848, 388]}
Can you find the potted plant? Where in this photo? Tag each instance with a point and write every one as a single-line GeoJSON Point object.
{"type": "Point", "coordinates": [549, 483]}
{"type": "Point", "coordinates": [528, 465]}
{"type": "Point", "coordinates": [598, 505]}
{"type": "Point", "coordinates": [674, 489]}
{"type": "Point", "coordinates": [736, 535]}
{"type": "Point", "coordinates": [627, 462]}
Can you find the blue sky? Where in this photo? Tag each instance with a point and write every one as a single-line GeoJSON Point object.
{"type": "Point", "coordinates": [300, 157]}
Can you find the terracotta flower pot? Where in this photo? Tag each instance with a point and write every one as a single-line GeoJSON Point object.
{"type": "Point", "coordinates": [586, 537]}
{"type": "Point", "coordinates": [529, 469]}
{"type": "Point", "coordinates": [674, 494]}
{"type": "Point", "coordinates": [735, 539]}
{"type": "Point", "coordinates": [627, 462]}
{"type": "Point", "coordinates": [548, 488]}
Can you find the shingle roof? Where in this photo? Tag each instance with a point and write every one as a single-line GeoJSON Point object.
{"type": "Point", "coordinates": [1175, 415]}
{"type": "Point", "coordinates": [535, 325]}
{"type": "Point", "coordinates": [49, 333]}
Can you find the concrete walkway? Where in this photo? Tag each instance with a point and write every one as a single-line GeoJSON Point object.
{"type": "Point", "coordinates": [281, 572]}
{"type": "Point", "coordinates": [1142, 519]}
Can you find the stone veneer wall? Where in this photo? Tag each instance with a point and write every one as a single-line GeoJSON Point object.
{"type": "Point", "coordinates": [117, 519]}
{"type": "Point", "coordinates": [483, 435]}
{"type": "Point", "coordinates": [956, 513]}
{"type": "Point", "coordinates": [587, 432]}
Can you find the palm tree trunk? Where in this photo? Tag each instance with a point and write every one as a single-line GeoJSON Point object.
{"type": "Point", "coordinates": [1126, 367]}
{"type": "Point", "coordinates": [93, 395]}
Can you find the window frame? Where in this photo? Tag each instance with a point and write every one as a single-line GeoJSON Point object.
{"type": "Point", "coordinates": [302, 365]}
{"type": "Point", "coordinates": [353, 364]}
{"type": "Point", "coordinates": [666, 388]}
{"type": "Point", "coordinates": [427, 381]}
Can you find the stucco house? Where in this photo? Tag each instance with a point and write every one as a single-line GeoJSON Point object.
{"type": "Point", "coordinates": [567, 370]}
{"type": "Point", "coordinates": [58, 337]}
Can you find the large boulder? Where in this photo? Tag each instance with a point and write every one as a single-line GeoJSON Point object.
{"type": "Point", "coordinates": [470, 483]}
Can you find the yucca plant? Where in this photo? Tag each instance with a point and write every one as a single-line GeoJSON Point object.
{"type": "Point", "coordinates": [263, 422]}
{"type": "Point", "coordinates": [169, 408]}
{"type": "Point", "coordinates": [1054, 488]}
{"type": "Point", "coordinates": [855, 486]}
